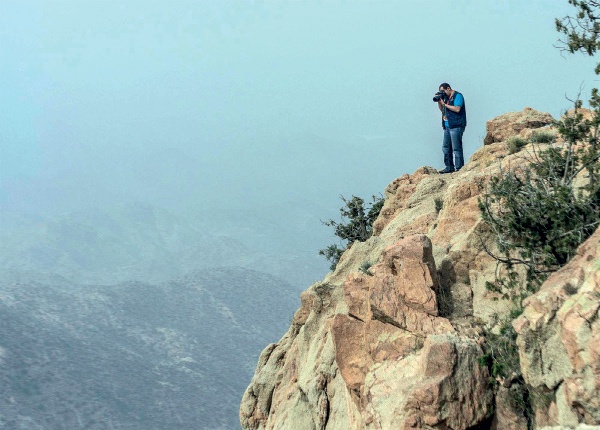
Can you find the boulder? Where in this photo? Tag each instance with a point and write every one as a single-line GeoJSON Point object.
{"type": "Point", "coordinates": [510, 124]}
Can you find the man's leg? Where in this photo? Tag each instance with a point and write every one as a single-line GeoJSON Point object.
{"type": "Point", "coordinates": [457, 146]}
{"type": "Point", "coordinates": [447, 150]}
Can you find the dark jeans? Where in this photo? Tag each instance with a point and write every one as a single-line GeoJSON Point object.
{"type": "Point", "coordinates": [452, 148]}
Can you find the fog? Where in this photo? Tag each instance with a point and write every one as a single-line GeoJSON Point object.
{"type": "Point", "coordinates": [202, 107]}
{"type": "Point", "coordinates": [144, 141]}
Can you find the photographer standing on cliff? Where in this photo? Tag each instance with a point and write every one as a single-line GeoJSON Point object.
{"type": "Point", "coordinates": [454, 121]}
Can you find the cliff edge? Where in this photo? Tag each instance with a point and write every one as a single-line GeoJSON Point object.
{"type": "Point", "coordinates": [392, 338]}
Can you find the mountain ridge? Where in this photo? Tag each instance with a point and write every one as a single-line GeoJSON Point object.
{"type": "Point", "coordinates": [134, 355]}
{"type": "Point", "coordinates": [399, 345]}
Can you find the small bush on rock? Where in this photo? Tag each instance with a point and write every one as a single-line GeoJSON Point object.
{"type": "Point", "coordinates": [364, 268]}
{"type": "Point", "coordinates": [356, 224]}
{"type": "Point", "coordinates": [543, 137]}
{"type": "Point", "coordinates": [515, 144]}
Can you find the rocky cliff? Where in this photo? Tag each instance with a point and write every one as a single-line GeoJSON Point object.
{"type": "Point", "coordinates": [559, 341]}
{"type": "Point", "coordinates": [392, 338]}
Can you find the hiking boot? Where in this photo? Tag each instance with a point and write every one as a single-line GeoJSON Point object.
{"type": "Point", "coordinates": [446, 170]}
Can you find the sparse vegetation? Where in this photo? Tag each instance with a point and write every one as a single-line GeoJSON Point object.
{"type": "Point", "coordinates": [447, 277]}
{"type": "Point", "coordinates": [543, 137]}
{"type": "Point", "coordinates": [515, 144]}
{"type": "Point", "coordinates": [540, 213]}
{"type": "Point", "coordinates": [439, 204]}
{"type": "Point", "coordinates": [364, 268]}
{"type": "Point", "coordinates": [501, 356]}
{"type": "Point", "coordinates": [356, 224]}
{"type": "Point", "coordinates": [332, 253]}
{"type": "Point", "coordinates": [501, 352]}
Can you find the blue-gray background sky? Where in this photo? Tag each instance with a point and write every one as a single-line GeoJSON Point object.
{"type": "Point", "coordinates": [255, 108]}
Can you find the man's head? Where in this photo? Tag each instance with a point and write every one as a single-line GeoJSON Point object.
{"type": "Point", "coordinates": [445, 87]}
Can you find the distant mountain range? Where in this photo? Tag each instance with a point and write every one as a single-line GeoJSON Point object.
{"type": "Point", "coordinates": [144, 243]}
{"type": "Point", "coordinates": [130, 317]}
{"type": "Point", "coordinates": [135, 356]}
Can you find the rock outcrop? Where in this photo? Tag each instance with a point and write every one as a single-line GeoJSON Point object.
{"type": "Point", "coordinates": [559, 341]}
{"type": "Point", "coordinates": [392, 338]}
{"type": "Point", "coordinates": [512, 124]}
{"type": "Point", "coordinates": [372, 354]}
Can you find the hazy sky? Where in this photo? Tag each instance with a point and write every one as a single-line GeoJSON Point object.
{"type": "Point", "coordinates": [256, 101]}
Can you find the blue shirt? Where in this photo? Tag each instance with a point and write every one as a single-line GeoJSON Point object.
{"type": "Point", "coordinates": [458, 101]}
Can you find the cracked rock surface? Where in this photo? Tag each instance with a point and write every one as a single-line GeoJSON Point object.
{"type": "Point", "coordinates": [372, 353]}
{"type": "Point", "coordinates": [559, 341]}
{"type": "Point", "coordinates": [397, 345]}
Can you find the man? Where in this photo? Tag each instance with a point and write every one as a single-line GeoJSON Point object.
{"type": "Point", "coordinates": [454, 121]}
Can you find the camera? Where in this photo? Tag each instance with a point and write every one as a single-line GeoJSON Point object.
{"type": "Point", "coordinates": [440, 95]}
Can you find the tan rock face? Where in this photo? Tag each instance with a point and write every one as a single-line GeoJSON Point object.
{"type": "Point", "coordinates": [398, 347]}
{"type": "Point", "coordinates": [398, 198]}
{"type": "Point", "coordinates": [372, 353]}
{"type": "Point", "coordinates": [389, 312]}
{"type": "Point", "coordinates": [355, 353]}
{"type": "Point", "coordinates": [506, 418]}
{"type": "Point", "coordinates": [511, 124]}
{"type": "Point", "coordinates": [559, 340]}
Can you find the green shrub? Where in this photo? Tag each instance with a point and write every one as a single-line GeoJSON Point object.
{"type": "Point", "coordinates": [501, 353]}
{"type": "Point", "coordinates": [543, 137]}
{"type": "Point", "coordinates": [539, 217]}
{"type": "Point", "coordinates": [537, 213]}
{"type": "Point", "coordinates": [356, 224]}
{"type": "Point", "coordinates": [364, 268]}
{"type": "Point", "coordinates": [501, 357]}
{"type": "Point", "coordinates": [439, 204]}
{"type": "Point", "coordinates": [515, 144]}
{"type": "Point", "coordinates": [332, 253]}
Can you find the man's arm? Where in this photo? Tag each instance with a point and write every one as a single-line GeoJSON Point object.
{"type": "Point", "coordinates": [458, 102]}
{"type": "Point", "coordinates": [453, 108]}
